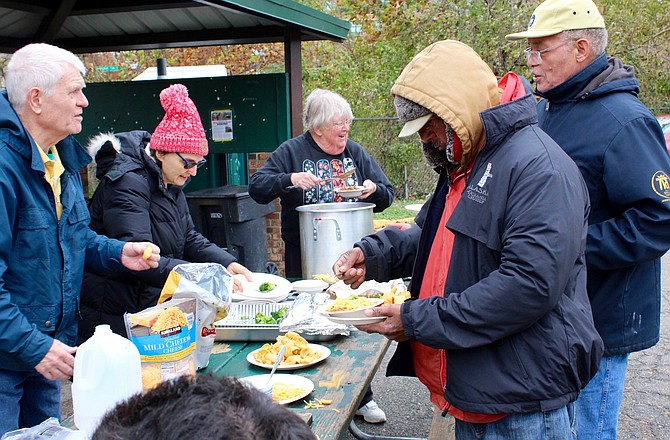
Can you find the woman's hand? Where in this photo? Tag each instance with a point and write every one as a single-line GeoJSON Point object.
{"type": "Point", "coordinates": [238, 271]}
{"type": "Point", "coordinates": [304, 180]}
{"type": "Point", "coordinates": [369, 188]}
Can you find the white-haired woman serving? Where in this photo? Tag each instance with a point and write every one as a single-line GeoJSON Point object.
{"type": "Point", "coordinates": [322, 152]}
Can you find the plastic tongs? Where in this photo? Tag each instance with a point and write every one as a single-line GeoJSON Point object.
{"type": "Point", "coordinates": [340, 177]}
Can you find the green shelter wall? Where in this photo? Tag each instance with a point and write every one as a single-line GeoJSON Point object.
{"type": "Point", "coordinates": [240, 114]}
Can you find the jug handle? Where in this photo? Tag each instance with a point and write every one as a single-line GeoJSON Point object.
{"type": "Point", "coordinates": [338, 233]}
{"type": "Point", "coordinates": [85, 364]}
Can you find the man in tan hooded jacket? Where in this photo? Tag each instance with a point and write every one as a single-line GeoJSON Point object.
{"type": "Point", "coordinates": [499, 326]}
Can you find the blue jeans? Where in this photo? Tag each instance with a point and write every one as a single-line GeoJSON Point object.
{"type": "Point", "coordinates": [27, 399]}
{"type": "Point", "coordinates": [557, 424]}
{"type": "Point", "coordinates": [597, 407]}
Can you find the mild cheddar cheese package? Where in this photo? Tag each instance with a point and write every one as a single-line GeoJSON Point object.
{"type": "Point", "coordinates": [211, 285]}
{"type": "Point", "coordinates": [165, 336]}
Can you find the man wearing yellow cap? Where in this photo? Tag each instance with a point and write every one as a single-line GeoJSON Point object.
{"type": "Point", "coordinates": [590, 108]}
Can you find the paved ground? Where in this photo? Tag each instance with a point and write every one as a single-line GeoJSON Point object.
{"type": "Point", "coordinates": [645, 413]}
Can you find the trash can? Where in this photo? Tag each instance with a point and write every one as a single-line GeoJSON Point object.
{"type": "Point", "coordinates": [229, 217]}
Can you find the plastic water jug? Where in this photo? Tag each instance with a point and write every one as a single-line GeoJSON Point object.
{"type": "Point", "coordinates": [107, 370]}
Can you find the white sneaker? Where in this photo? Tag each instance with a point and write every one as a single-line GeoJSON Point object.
{"type": "Point", "coordinates": [371, 412]}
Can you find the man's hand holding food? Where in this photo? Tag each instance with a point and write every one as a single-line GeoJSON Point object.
{"type": "Point", "coordinates": [350, 267]}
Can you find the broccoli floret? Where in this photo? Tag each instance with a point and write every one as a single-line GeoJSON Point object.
{"type": "Point", "coordinates": [266, 286]}
{"type": "Point", "coordinates": [273, 318]}
{"type": "Point", "coordinates": [262, 318]}
{"type": "Point", "coordinates": [279, 314]}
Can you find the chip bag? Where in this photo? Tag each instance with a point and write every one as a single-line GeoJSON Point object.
{"type": "Point", "coordinates": [211, 285]}
{"type": "Point", "coordinates": [165, 336]}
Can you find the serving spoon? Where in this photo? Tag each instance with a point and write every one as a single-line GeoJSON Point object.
{"type": "Point", "coordinates": [280, 357]}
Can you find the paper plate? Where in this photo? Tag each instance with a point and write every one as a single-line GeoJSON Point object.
{"type": "Point", "coordinates": [357, 321]}
{"type": "Point", "coordinates": [355, 313]}
{"type": "Point", "coordinates": [295, 380]}
{"type": "Point", "coordinates": [415, 207]}
{"type": "Point", "coordinates": [350, 191]}
{"type": "Point", "coordinates": [251, 293]}
{"type": "Point", "coordinates": [310, 286]}
{"type": "Point", "coordinates": [325, 352]}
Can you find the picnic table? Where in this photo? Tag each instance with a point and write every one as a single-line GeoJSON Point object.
{"type": "Point", "coordinates": [354, 358]}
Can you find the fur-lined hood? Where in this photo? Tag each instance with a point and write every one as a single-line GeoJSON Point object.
{"type": "Point", "coordinates": [104, 148]}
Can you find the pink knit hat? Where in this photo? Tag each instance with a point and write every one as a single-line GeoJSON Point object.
{"type": "Point", "coordinates": [181, 130]}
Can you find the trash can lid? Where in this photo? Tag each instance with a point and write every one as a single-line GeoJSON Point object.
{"type": "Point", "coordinates": [222, 192]}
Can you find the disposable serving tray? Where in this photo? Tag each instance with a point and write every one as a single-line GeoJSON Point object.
{"type": "Point", "coordinates": [240, 324]}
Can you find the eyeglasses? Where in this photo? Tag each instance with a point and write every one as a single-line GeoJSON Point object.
{"type": "Point", "coordinates": [188, 164]}
{"type": "Point", "coordinates": [535, 56]}
{"type": "Point", "coordinates": [340, 124]}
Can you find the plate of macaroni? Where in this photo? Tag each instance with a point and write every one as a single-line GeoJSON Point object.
{"type": "Point", "coordinates": [299, 353]}
{"type": "Point", "coordinates": [351, 306]}
{"type": "Point", "coordinates": [286, 388]}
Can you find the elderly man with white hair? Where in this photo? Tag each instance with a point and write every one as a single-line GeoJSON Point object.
{"type": "Point", "coordinates": [45, 240]}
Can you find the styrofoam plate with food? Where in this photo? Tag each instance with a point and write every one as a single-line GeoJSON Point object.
{"type": "Point", "coordinates": [286, 388]}
{"type": "Point", "coordinates": [263, 287]}
{"type": "Point", "coordinates": [350, 307]}
{"type": "Point", "coordinates": [350, 191]}
{"type": "Point", "coordinates": [315, 354]}
{"type": "Point", "coordinates": [357, 321]}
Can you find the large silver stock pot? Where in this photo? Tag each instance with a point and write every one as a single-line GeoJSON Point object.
{"type": "Point", "coordinates": [329, 229]}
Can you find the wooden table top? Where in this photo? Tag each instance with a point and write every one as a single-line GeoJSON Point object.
{"type": "Point", "coordinates": [355, 358]}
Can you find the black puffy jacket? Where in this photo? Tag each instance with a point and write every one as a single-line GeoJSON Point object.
{"type": "Point", "coordinates": [132, 203]}
{"type": "Point", "coordinates": [514, 317]}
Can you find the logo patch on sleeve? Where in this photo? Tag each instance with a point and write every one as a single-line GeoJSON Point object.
{"type": "Point", "coordinates": [660, 183]}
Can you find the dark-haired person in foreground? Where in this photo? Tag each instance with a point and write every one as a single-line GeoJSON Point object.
{"type": "Point", "coordinates": [206, 407]}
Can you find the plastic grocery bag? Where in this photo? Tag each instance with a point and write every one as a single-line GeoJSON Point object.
{"type": "Point", "coordinates": [49, 429]}
{"type": "Point", "coordinates": [211, 285]}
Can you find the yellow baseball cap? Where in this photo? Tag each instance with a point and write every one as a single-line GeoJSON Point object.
{"type": "Point", "coordinates": [555, 16]}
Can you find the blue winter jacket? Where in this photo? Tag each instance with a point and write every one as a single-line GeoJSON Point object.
{"type": "Point", "coordinates": [619, 147]}
{"type": "Point", "coordinates": [42, 258]}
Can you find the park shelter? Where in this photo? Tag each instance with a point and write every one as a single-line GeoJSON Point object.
{"type": "Point", "coordinates": [91, 26]}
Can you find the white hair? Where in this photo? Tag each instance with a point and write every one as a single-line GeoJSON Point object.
{"type": "Point", "coordinates": [37, 65]}
{"type": "Point", "coordinates": [321, 106]}
{"type": "Point", "coordinates": [597, 38]}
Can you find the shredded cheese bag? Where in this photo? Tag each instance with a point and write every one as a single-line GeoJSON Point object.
{"type": "Point", "coordinates": [165, 336]}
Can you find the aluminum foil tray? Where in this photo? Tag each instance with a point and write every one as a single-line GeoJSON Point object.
{"type": "Point", "coordinates": [240, 324]}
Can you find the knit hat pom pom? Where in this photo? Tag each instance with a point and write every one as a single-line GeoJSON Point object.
{"type": "Point", "coordinates": [175, 100]}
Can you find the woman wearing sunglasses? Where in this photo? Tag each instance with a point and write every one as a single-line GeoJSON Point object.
{"type": "Point", "coordinates": [140, 195]}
